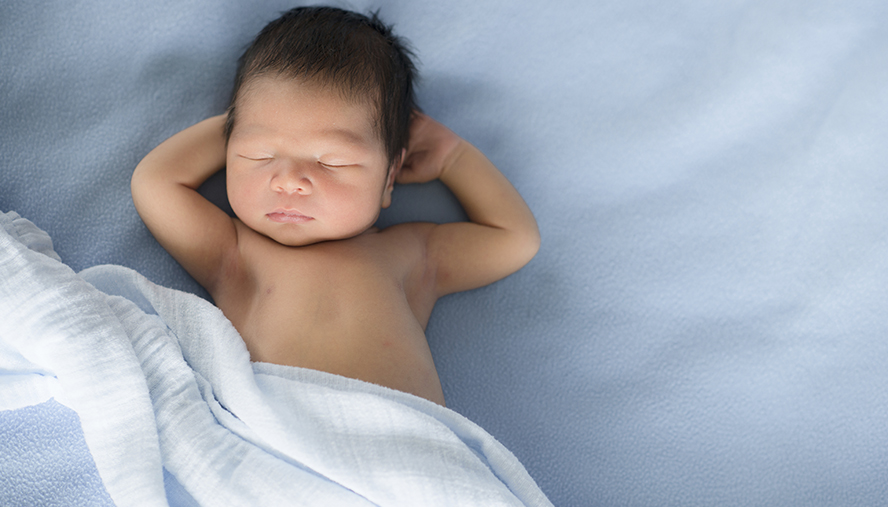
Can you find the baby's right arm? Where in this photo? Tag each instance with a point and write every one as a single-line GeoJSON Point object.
{"type": "Point", "coordinates": [193, 230]}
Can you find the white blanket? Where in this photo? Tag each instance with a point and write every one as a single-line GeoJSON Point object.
{"type": "Point", "coordinates": [162, 381]}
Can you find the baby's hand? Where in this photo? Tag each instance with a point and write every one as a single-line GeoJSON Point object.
{"type": "Point", "coordinates": [433, 147]}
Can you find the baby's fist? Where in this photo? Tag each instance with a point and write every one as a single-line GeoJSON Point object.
{"type": "Point", "coordinates": [433, 147]}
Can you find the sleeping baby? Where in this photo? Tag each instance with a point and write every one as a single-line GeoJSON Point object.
{"type": "Point", "coordinates": [322, 124]}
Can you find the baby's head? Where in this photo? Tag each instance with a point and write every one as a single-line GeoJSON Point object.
{"type": "Point", "coordinates": [357, 56]}
{"type": "Point", "coordinates": [318, 124]}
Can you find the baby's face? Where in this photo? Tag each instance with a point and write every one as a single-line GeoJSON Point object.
{"type": "Point", "coordinates": [304, 165]}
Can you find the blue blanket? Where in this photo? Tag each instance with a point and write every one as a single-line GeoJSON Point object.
{"type": "Point", "coordinates": [705, 322]}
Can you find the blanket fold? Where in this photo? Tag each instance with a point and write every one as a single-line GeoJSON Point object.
{"type": "Point", "coordinates": [162, 381]}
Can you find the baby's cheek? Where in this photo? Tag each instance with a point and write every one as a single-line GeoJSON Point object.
{"type": "Point", "coordinates": [235, 202]}
{"type": "Point", "coordinates": [240, 190]}
{"type": "Point", "coordinates": [241, 203]}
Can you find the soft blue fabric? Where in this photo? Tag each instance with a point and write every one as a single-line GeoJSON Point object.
{"type": "Point", "coordinates": [705, 323]}
{"type": "Point", "coordinates": [45, 459]}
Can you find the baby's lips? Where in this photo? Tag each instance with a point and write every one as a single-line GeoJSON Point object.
{"type": "Point", "coordinates": [288, 216]}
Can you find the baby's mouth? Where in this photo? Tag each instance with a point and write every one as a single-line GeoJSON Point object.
{"type": "Point", "coordinates": [288, 217]}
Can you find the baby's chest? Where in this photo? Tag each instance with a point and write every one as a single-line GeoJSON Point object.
{"type": "Point", "coordinates": [315, 306]}
{"type": "Point", "coordinates": [320, 269]}
{"type": "Point", "coordinates": [324, 285]}
{"type": "Point", "coordinates": [335, 285]}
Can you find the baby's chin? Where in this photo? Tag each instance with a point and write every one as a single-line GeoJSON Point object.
{"type": "Point", "coordinates": [308, 233]}
{"type": "Point", "coordinates": [291, 241]}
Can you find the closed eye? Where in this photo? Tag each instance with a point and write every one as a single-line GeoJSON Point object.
{"type": "Point", "coordinates": [335, 166]}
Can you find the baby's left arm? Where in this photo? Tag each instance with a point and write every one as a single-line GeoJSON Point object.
{"type": "Point", "coordinates": [502, 235]}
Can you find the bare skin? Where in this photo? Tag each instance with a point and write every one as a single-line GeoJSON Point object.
{"type": "Point", "coordinates": [301, 272]}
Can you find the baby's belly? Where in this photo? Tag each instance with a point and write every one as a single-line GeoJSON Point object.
{"type": "Point", "coordinates": [397, 357]}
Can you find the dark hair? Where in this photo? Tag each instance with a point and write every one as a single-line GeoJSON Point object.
{"type": "Point", "coordinates": [355, 54]}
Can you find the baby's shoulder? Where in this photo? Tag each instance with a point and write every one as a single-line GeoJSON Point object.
{"type": "Point", "coordinates": [408, 235]}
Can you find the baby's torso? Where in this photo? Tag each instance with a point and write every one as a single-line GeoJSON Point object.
{"type": "Point", "coordinates": [357, 307]}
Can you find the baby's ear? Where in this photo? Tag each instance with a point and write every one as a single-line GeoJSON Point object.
{"type": "Point", "coordinates": [398, 163]}
{"type": "Point", "coordinates": [390, 181]}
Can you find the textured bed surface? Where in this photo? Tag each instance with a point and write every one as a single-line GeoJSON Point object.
{"type": "Point", "coordinates": [706, 320]}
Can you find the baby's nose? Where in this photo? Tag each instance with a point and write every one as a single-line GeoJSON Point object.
{"type": "Point", "coordinates": [294, 181]}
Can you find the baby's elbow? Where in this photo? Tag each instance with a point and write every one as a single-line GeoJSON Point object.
{"type": "Point", "coordinates": [528, 244]}
{"type": "Point", "coordinates": [534, 243]}
{"type": "Point", "coordinates": [137, 185]}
